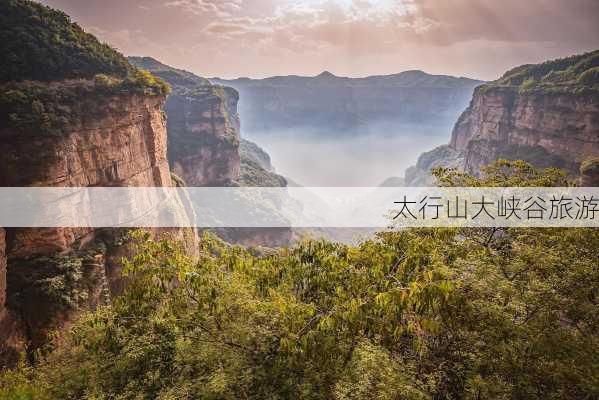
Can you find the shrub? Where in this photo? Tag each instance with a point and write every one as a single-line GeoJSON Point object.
{"type": "Point", "coordinates": [590, 77]}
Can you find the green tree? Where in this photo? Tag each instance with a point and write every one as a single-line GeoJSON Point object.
{"type": "Point", "coordinates": [415, 314]}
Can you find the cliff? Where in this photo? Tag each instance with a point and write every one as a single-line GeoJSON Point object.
{"type": "Point", "coordinates": [328, 104]}
{"type": "Point", "coordinates": [204, 145]}
{"type": "Point", "coordinates": [69, 129]}
{"type": "Point", "coordinates": [203, 126]}
{"type": "Point", "coordinates": [546, 114]}
{"type": "Point", "coordinates": [110, 140]}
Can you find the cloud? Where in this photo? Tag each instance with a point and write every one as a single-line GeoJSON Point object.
{"type": "Point", "coordinates": [480, 38]}
{"type": "Point", "coordinates": [507, 20]}
{"type": "Point", "coordinates": [221, 9]}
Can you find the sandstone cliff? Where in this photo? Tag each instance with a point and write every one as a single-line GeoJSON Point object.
{"type": "Point", "coordinates": [91, 120]}
{"type": "Point", "coordinates": [544, 128]}
{"type": "Point", "coordinates": [110, 140]}
{"type": "Point", "coordinates": [204, 145]}
{"type": "Point", "coordinates": [546, 114]}
{"type": "Point", "coordinates": [203, 126]}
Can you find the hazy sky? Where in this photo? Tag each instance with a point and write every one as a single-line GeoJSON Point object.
{"type": "Point", "coordinates": [257, 38]}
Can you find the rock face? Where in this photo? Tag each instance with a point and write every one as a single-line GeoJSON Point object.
{"type": "Point", "coordinates": [442, 156]}
{"type": "Point", "coordinates": [338, 105]}
{"type": "Point", "coordinates": [204, 136]}
{"type": "Point", "coordinates": [73, 113]}
{"type": "Point", "coordinates": [203, 126]}
{"type": "Point", "coordinates": [111, 140]}
{"type": "Point", "coordinates": [545, 128]}
{"type": "Point", "coordinates": [204, 145]}
{"type": "Point", "coordinates": [546, 114]}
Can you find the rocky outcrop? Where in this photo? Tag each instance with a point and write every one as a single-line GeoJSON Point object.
{"type": "Point", "coordinates": [203, 126]}
{"type": "Point", "coordinates": [109, 140]}
{"type": "Point", "coordinates": [256, 168]}
{"type": "Point", "coordinates": [546, 114]}
{"type": "Point", "coordinates": [204, 136]}
{"type": "Point", "coordinates": [558, 129]}
{"type": "Point", "coordinates": [204, 145]}
{"type": "Point", "coordinates": [442, 156]}
{"type": "Point", "coordinates": [73, 113]}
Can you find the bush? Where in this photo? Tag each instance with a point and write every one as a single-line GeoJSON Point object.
{"type": "Point", "coordinates": [590, 77]}
{"type": "Point", "coordinates": [485, 313]}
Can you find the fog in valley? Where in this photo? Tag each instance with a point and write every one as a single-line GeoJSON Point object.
{"type": "Point", "coordinates": [312, 158]}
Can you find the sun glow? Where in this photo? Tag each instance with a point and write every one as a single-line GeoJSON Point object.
{"type": "Point", "coordinates": [359, 5]}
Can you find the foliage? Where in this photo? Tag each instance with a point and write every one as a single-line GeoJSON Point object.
{"type": "Point", "coordinates": [503, 173]}
{"type": "Point", "coordinates": [590, 166]}
{"type": "Point", "coordinates": [571, 74]}
{"type": "Point", "coordinates": [40, 43]}
{"type": "Point", "coordinates": [52, 109]}
{"type": "Point", "coordinates": [253, 174]}
{"type": "Point", "coordinates": [413, 314]}
{"type": "Point", "coordinates": [143, 81]}
{"type": "Point", "coordinates": [177, 78]}
{"type": "Point", "coordinates": [590, 77]}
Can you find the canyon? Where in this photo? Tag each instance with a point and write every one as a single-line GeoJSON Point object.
{"type": "Point", "coordinates": [205, 147]}
{"type": "Point", "coordinates": [98, 119]}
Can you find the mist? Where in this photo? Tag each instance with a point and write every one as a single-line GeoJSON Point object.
{"type": "Point", "coordinates": [316, 158]}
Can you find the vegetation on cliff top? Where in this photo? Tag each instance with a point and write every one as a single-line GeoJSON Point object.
{"type": "Point", "coordinates": [175, 77]}
{"type": "Point", "coordinates": [40, 43]}
{"type": "Point", "coordinates": [576, 73]}
{"type": "Point", "coordinates": [51, 109]}
{"type": "Point", "coordinates": [50, 64]}
{"type": "Point", "coordinates": [415, 314]}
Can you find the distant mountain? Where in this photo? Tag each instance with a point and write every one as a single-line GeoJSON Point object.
{"type": "Point", "coordinates": [326, 102]}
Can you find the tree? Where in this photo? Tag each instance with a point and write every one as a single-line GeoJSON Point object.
{"type": "Point", "coordinates": [415, 314]}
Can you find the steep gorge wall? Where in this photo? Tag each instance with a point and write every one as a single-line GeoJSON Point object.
{"type": "Point", "coordinates": [546, 128]}
{"type": "Point", "coordinates": [114, 139]}
{"type": "Point", "coordinates": [203, 126]}
{"type": "Point", "coordinates": [204, 139]}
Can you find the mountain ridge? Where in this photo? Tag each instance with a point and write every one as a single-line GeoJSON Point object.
{"type": "Point", "coordinates": [400, 79]}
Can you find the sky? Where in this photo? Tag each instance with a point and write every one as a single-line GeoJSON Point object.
{"type": "Point", "coordinates": [258, 38]}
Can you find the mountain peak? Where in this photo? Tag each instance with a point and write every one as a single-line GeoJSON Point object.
{"type": "Point", "coordinates": [325, 74]}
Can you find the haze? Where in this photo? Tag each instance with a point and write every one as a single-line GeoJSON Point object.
{"type": "Point", "coordinates": [258, 38]}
